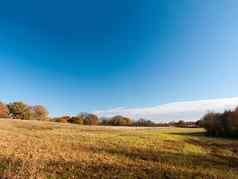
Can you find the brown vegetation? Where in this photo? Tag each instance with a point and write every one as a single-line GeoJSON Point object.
{"type": "Point", "coordinates": [40, 113]}
{"type": "Point", "coordinates": [118, 121]}
{"type": "Point", "coordinates": [4, 111]}
{"type": "Point", "coordinates": [32, 149]}
{"type": "Point", "coordinates": [20, 110]}
{"type": "Point", "coordinates": [221, 124]}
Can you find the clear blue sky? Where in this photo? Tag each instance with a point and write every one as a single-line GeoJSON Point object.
{"type": "Point", "coordinates": [75, 55]}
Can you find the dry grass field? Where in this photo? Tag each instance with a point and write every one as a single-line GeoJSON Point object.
{"type": "Point", "coordinates": [32, 149]}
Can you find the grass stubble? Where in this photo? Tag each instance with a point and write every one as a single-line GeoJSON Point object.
{"type": "Point", "coordinates": [33, 149]}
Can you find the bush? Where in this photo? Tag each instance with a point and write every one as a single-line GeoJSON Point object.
{"type": "Point", "coordinates": [63, 119]}
{"type": "Point", "coordinates": [19, 110]}
{"type": "Point", "coordinates": [83, 118]}
{"type": "Point", "coordinates": [4, 111]}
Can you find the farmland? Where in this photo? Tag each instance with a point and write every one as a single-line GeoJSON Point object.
{"type": "Point", "coordinates": [34, 149]}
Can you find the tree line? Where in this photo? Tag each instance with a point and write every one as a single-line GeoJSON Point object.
{"type": "Point", "coordinates": [221, 124]}
{"type": "Point", "coordinates": [216, 124]}
{"type": "Point", "coordinates": [22, 111]}
{"type": "Point", "coordinates": [92, 119]}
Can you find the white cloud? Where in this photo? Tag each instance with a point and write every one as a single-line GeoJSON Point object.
{"type": "Point", "coordinates": [190, 110]}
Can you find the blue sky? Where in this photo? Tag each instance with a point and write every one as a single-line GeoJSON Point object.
{"type": "Point", "coordinates": [74, 56]}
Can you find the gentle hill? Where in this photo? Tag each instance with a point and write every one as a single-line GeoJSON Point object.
{"type": "Point", "coordinates": [32, 149]}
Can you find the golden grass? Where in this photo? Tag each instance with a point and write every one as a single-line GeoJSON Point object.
{"type": "Point", "coordinates": [32, 149]}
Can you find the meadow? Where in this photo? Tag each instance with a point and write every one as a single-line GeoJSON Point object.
{"type": "Point", "coordinates": [34, 149]}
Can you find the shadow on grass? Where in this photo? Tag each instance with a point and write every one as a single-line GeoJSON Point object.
{"type": "Point", "coordinates": [202, 134]}
{"type": "Point", "coordinates": [168, 166]}
{"type": "Point", "coordinates": [178, 159]}
{"type": "Point", "coordinates": [132, 163]}
{"type": "Point", "coordinates": [191, 134]}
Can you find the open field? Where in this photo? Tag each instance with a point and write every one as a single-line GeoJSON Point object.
{"type": "Point", "coordinates": [32, 149]}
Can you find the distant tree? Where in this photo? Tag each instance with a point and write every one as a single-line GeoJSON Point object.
{"type": "Point", "coordinates": [4, 111]}
{"type": "Point", "coordinates": [120, 121]}
{"type": "Point", "coordinates": [104, 121]}
{"type": "Point", "coordinates": [20, 110]}
{"type": "Point", "coordinates": [221, 124]}
{"type": "Point", "coordinates": [76, 120]}
{"type": "Point", "coordinates": [89, 119]}
{"type": "Point", "coordinates": [144, 122]}
{"type": "Point", "coordinates": [209, 123]}
{"type": "Point", "coordinates": [40, 113]}
{"type": "Point", "coordinates": [228, 124]}
{"type": "Point", "coordinates": [180, 123]}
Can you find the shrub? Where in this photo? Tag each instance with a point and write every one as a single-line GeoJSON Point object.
{"type": "Point", "coordinates": [19, 110]}
{"type": "Point", "coordinates": [63, 119]}
{"type": "Point", "coordinates": [4, 111]}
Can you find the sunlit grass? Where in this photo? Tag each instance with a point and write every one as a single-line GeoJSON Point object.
{"type": "Point", "coordinates": [31, 149]}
